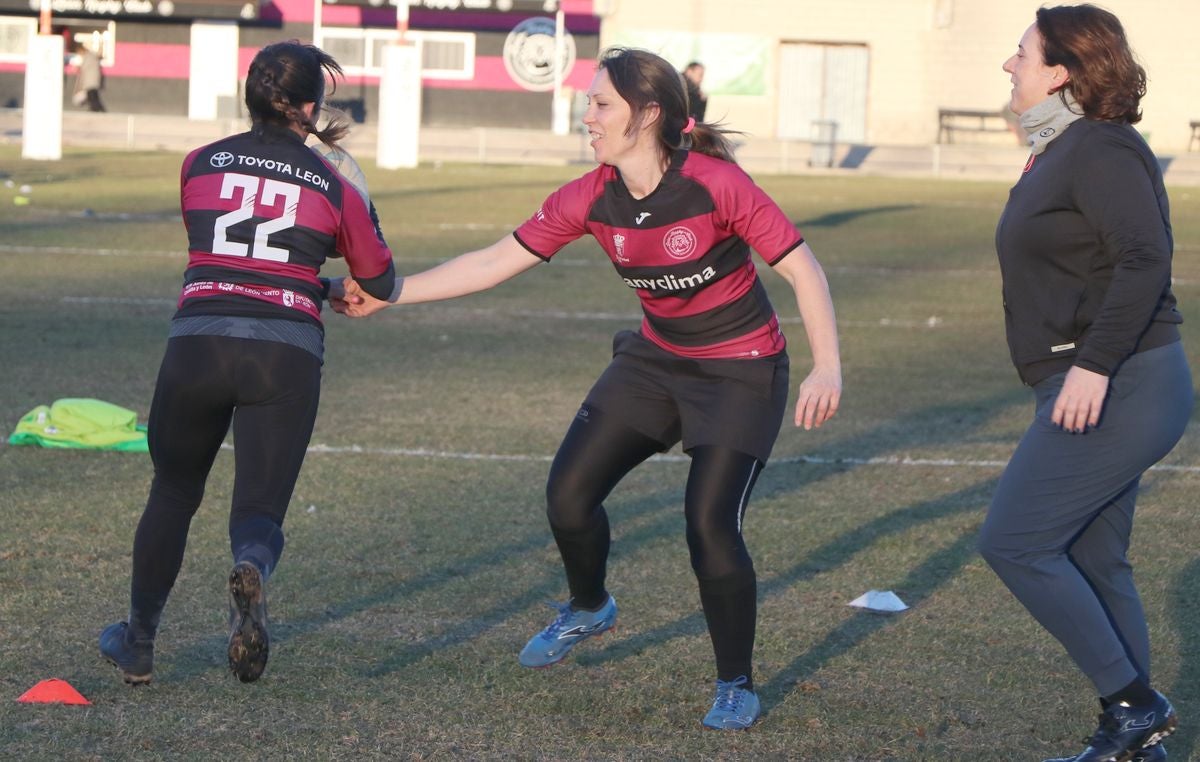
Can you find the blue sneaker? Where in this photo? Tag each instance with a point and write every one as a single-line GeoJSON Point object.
{"type": "Point", "coordinates": [734, 707]}
{"type": "Point", "coordinates": [570, 627]}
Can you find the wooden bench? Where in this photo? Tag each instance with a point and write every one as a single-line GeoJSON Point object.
{"type": "Point", "coordinates": [1195, 139]}
{"type": "Point", "coordinates": [952, 120]}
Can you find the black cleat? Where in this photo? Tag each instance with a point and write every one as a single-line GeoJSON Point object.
{"type": "Point", "coordinates": [1130, 733]}
{"type": "Point", "coordinates": [135, 658]}
{"type": "Point", "coordinates": [249, 642]}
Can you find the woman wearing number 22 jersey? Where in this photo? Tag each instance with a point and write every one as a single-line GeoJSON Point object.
{"type": "Point", "coordinates": [263, 212]}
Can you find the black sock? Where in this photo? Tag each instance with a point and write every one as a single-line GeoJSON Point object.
{"type": "Point", "coordinates": [1137, 693]}
{"type": "Point", "coordinates": [585, 560]}
{"type": "Point", "coordinates": [145, 609]}
{"type": "Point", "coordinates": [258, 540]}
{"type": "Point", "coordinates": [731, 608]}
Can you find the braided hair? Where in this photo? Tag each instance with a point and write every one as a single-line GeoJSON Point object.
{"type": "Point", "coordinates": [286, 75]}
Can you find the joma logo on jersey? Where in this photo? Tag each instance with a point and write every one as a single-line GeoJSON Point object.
{"type": "Point", "coordinates": [679, 242]}
{"type": "Point", "coordinates": [670, 282]}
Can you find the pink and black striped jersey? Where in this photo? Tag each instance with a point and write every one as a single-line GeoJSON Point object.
{"type": "Point", "coordinates": [263, 212]}
{"type": "Point", "coordinates": [685, 249]}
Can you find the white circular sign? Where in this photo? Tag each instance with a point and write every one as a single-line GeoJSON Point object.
{"type": "Point", "coordinates": [529, 54]}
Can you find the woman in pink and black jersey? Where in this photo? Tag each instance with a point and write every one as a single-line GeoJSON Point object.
{"type": "Point", "coordinates": [263, 212]}
{"type": "Point", "coordinates": [707, 368]}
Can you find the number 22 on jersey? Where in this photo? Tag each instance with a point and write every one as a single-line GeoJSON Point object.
{"type": "Point", "coordinates": [272, 192]}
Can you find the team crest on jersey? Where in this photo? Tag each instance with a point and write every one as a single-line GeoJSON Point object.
{"type": "Point", "coordinates": [289, 298]}
{"type": "Point", "coordinates": [679, 242]}
{"type": "Point", "coordinates": [619, 246]}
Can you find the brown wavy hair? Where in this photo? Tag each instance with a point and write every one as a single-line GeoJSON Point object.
{"type": "Point", "coordinates": [1090, 42]}
{"type": "Point", "coordinates": [644, 79]}
{"type": "Point", "coordinates": [286, 75]}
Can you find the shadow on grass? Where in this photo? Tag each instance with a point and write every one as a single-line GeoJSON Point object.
{"type": "Point", "coordinates": [834, 219]}
{"type": "Point", "coordinates": [666, 507]}
{"type": "Point", "coordinates": [922, 581]}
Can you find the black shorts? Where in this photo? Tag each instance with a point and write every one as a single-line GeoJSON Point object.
{"type": "Point", "coordinates": [737, 404]}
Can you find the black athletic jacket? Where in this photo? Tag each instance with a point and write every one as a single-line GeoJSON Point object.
{"type": "Point", "coordinates": [1085, 254]}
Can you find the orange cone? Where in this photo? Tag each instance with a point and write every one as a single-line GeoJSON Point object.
{"type": "Point", "coordinates": [52, 691]}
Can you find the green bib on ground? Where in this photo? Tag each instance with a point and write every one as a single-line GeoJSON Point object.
{"type": "Point", "coordinates": [82, 424]}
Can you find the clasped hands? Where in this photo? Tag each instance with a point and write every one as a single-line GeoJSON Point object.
{"type": "Point", "coordinates": [346, 297]}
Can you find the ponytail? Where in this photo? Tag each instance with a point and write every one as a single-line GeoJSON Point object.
{"type": "Point", "coordinates": [644, 79]}
{"type": "Point", "coordinates": [710, 140]}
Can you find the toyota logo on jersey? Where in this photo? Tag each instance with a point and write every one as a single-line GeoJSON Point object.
{"type": "Point", "coordinates": [221, 159]}
{"type": "Point", "coordinates": [679, 242]}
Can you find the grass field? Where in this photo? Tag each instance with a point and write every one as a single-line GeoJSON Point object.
{"type": "Point", "coordinates": [418, 553]}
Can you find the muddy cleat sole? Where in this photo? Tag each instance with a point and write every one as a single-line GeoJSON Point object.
{"type": "Point", "coordinates": [134, 658]}
{"type": "Point", "coordinates": [569, 629]}
{"type": "Point", "coordinates": [249, 642]}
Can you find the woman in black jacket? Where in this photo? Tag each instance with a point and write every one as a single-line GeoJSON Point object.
{"type": "Point", "coordinates": [1085, 255]}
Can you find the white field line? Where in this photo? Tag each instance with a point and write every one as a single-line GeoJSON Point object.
{"type": "Point", "coordinates": [421, 452]}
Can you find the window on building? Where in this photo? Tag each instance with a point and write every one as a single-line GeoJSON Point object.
{"type": "Point", "coordinates": [15, 32]}
{"type": "Point", "coordinates": [14, 38]}
{"type": "Point", "coordinates": [444, 55]}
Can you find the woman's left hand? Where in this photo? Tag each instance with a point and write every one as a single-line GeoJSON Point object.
{"type": "Point", "coordinates": [820, 394]}
{"type": "Point", "coordinates": [1080, 400]}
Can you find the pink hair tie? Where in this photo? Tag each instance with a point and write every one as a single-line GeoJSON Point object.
{"type": "Point", "coordinates": [691, 125]}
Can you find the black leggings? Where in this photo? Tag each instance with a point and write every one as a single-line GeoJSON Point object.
{"type": "Point", "coordinates": [596, 453]}
{"type": "Point", "coordinates": [270, 392]}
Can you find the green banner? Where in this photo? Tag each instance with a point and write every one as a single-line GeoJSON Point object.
{"type": "Point", "coordinates": [734, 64]}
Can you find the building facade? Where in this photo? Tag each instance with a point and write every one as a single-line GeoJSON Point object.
{"type": "Point", "coordinates": [879, 71]}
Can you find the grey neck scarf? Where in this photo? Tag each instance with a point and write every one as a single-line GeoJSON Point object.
{"type": "Point", "coordinates": [1049, 119]}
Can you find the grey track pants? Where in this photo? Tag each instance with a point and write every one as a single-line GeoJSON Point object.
{"type": "Point", "coordinates": [1059, 525]}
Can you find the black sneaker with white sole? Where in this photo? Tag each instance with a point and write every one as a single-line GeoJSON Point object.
{"type": "Point", "coordinates": [1156, 753]}
{"type": "Point", "coordinates": [1129, 733]}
